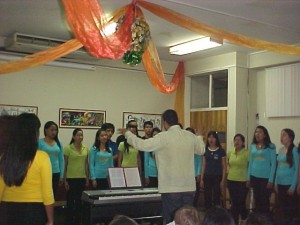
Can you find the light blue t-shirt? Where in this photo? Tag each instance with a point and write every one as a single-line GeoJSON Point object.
{"type": "Point", "coordinates": [286, 175]}
{"type": "Point", "coordinates": [150, 168]}
{"type": "Point", "coordinates": [198, 164]}
{"type": "Point", "coordinates": [56, 155]}
{"type": "Point", "coordinates": [262, 162]}
{"type": "Point", "coordinates": [99, 162]}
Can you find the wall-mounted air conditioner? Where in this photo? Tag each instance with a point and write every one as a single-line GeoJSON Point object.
{"type": "Point", "coordinates": [25, 43]}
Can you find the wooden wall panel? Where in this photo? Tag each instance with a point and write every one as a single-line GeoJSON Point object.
{"type": "Point", "coordinates": [215, 120]}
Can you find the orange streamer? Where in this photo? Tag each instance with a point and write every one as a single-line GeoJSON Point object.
{"type": "Point", "coordinates": [203, 29]}
{"type": "Point", "coordinates": [155, 72]}
{"type": "Point", "coordinates": [40, 57]}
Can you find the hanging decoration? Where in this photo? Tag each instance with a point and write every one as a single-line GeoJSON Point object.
{"type": "Point", "coordinates": [140, 34]}
{"type": "Point", "coordinates": [87, 21]}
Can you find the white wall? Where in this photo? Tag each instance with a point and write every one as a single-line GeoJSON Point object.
{"type": "Point", "coordinates": [258, 106]}
{"type": "Point", "coordinates": [112, 90]}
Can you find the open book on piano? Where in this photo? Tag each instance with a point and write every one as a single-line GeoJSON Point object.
{"type": "Point", "coordinates": [124, 177]}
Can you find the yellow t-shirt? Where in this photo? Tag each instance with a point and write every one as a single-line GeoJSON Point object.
{"type": "Point", "coordinates": [37, 185]}
{"type": "Point", "coordinates": [76, 161]}
{"type": "Point", "coordinates": [130, 157]}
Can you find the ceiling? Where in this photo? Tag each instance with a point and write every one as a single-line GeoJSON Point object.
{"type": "Point", "coordinates": [270, 20]}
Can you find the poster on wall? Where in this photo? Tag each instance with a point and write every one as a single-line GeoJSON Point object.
{"type": "Point", "coordinates": [81, 118]}
{"type": "Point", "coordinates": [15, 110]}
{"type": "Point", "coordinates": [141, 118]}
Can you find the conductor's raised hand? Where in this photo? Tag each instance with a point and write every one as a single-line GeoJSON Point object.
{"type": "Point", "coordinates": [122, 130]}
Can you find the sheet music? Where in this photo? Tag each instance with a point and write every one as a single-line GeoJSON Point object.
{"type": "Point", "coordinates": [132, 177]}
{"type": "Point", "coordinates": [116, 177]}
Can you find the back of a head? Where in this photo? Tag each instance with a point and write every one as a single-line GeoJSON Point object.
{"type": "Point", "coordinates": [170, 116]}
{"type": "Point", "coordinates": [257, 219]}
{"type": "Point", "coordinates": [187, 215]}
{"type": "Point", "coordinates": [122, 220]}
{"type": "Point", "coordinates": [21, 149]}
{"type": "Point", "coordinates": [217, 216]}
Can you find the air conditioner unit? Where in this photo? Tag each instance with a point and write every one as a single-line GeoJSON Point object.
{"type": "Point", "coordinates": [25, 43]}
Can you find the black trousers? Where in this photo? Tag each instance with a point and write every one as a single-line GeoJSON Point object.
{"type": "Point", "coordinates": [55, 183]}
{"type": "Point", "coordinates": [102, 184]}
{"type": "Point", "coordinates": [153, 182]}
{"type": "Point", "coordinates": [238, 194]}
{"type": "Point", "coordinates": [212, 190]}
{"type": "Point", "coordinates": [74, 205]}
{"type": "Point", "coordinates": [288, 203]}
{"type": "Point", "coordinates": [16, 213]}
{"type": "Point", "coordinates": [261, 195]}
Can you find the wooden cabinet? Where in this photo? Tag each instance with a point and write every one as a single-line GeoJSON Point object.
{"type": "Point", "coordinates": [215, 120]}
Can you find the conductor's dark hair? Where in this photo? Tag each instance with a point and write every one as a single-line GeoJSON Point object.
{"type": "Point", "coordinates": [170, 116]}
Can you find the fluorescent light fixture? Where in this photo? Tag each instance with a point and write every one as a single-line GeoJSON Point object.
{"type": "Point", "coordinates": [194, 46]}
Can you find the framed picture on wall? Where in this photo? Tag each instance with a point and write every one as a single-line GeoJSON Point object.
{"type": "Point", "coordinates": [140, 118]}
{"type": "Point", "coordinates": [15, 110]}
{"type": "Point", "coordinates": [81, 118]}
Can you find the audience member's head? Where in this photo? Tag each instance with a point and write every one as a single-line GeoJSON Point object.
{"type": "Point", "coordinates": [217, 216]}
{"type": "Point", "coordinates": [257, 219]}
{"type": "Point", "coordinates": [122, 220]}
{"type": "Point", "coordinates": [187, 215]}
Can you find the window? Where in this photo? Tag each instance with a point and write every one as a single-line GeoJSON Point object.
{"type": "Point", "coordinates": [209, 90]}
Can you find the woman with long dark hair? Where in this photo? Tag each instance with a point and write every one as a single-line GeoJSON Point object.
{"type": "Point", "coordinates": [100, 159]}
{"type": "Point", "coordinates": [76, 173]}
{"type": "Point", "coordinates": [26, 195]}
{"type": "Point", "coordinates": [287, 174]}
{"type": "Point", "coordinates": [51, 145]}
{"type": "Point", "coordinates": [261, 169]}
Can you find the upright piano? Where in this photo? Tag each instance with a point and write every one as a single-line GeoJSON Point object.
{"type": "Point", "coordinates": [140, 204]}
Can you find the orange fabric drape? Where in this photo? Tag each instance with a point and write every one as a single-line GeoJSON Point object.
{"type": "Point", "coordinates": [155, 72]}
{"type": "Point", "coordinates": [203, 29]}
{"type": "Point", "coordinates": [87, 20]}
{"type": "Point", "coordinates": [179, 101]}
{"type": "Point", "coordinates": [40, 57]}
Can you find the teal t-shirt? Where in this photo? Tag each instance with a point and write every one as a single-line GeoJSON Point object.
{"type": "Point", "coordinates": [286, 175]}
